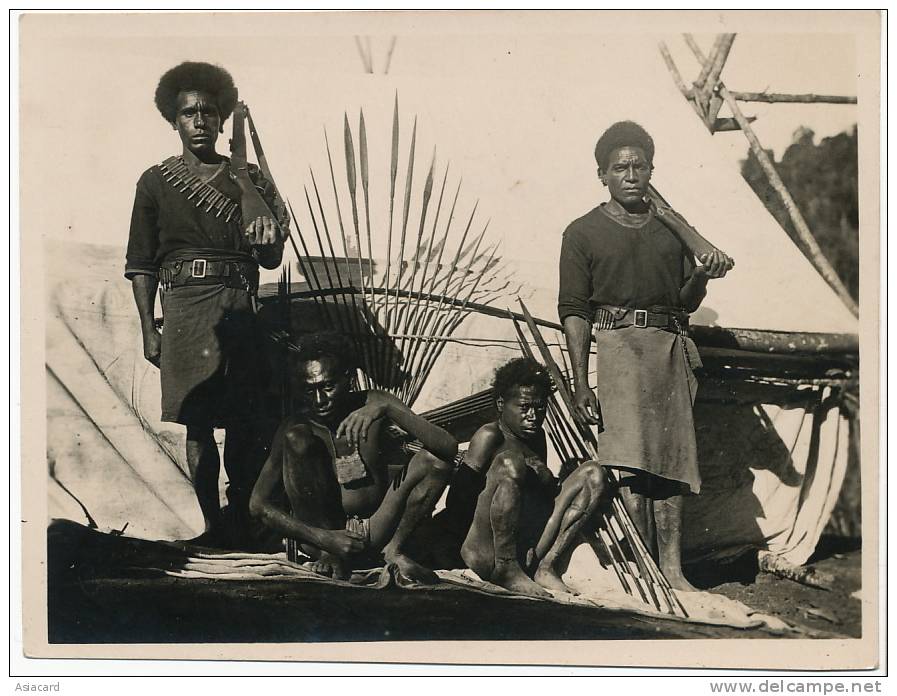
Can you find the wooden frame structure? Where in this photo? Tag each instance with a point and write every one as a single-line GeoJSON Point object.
{"type": "Point", "coordinates": [707, 95]}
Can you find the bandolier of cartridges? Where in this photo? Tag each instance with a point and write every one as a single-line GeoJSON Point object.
{"type": "Point", "coordinates": [175, 171]}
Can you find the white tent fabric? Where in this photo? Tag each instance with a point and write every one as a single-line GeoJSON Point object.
{"type": "Point", "coordinates": [520, 131]}
{"type": "Point", "coordinates": [107, 451]}
{"type": "Point", "coordinates": [771, 474]}
{"type": "Point", "coordinates": [770, 477]}
{"type": "Point", "coordinates": [526, 154]}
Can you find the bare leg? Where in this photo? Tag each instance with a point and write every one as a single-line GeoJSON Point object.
{"type": "Point", "coordinates": [668, 514]}
{"type": "Point", "coordinates": [639, 507]}
{"type": "Point", "coordinates": [314, 496]}
{"type": "Point", "coordinates": [204, 465]}
{"type": "Point", "coordinates": [411, 496]}
{"type": "Point", "coordinates": [490, 548]}
{"type": "Point", "coordinates": [578, 499]}
{"type": "Point", "coordinates": [242, 463]}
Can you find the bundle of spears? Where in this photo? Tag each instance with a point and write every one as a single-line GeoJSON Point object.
{"type": "Point", "coordinates": [615, 539]}
{"type": "Point", "coordinates": [397, 318]}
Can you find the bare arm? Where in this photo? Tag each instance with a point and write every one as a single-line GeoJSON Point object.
{"type": "Point", "coordinates": [266, 234]}
{"type": "Point", "coordinates": [577, 332]}
{"type": "Point", "coordinates": [262, 507]}
{"type": "Point", "coordinates": [575, 310]}
{"type": "Point", "coordinates": [379, 404]}
{"type": "Point", "coordinates": [483, 446]}
{"type": "Point", "coordinates": [144, 287]}
{"type": "Point", "coordinates": [713, 265]}
{"type": "Point", "coordinates": [693, 292]}
{"type": "Point", "coordinates": [434, 439]}
{"type": "Point", "coordinates": [261, 503]}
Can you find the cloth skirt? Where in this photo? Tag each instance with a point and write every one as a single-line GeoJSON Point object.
{"type": "Point", "coordinates": [210, 356]}
{"type": "Point", "coordinates": [646, 388]}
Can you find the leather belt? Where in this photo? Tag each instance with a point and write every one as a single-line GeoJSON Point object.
{"type": "Point", "coordinates": [200, 271]}
{"type": "Point", "coordinates": [608, 317]}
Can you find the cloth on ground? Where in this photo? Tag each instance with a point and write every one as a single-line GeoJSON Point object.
{"type": "Point", "coordinates": [585, 575]}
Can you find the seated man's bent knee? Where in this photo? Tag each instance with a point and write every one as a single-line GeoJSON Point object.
{"type": "Point", "coordinates": [433, 463]}
{"type": "Point", "coordinates": [298, 438]}
{"type": "Point", "coordinates": [594, 475]}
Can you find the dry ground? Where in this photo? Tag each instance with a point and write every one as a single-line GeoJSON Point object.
{"type": "Point", "coordinates": [94, 599]}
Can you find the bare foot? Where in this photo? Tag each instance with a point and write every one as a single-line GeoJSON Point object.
{"type": "Point", "coordinates": [678, 582]}
{"type": "Point", "coordinates": [550, 579]}
{"type": "Point", "coordinates": [330, 566]}
{"type": "Point", "coordinates": [412, 570]}
{"type": "Point", "coordinates": [509, 575]}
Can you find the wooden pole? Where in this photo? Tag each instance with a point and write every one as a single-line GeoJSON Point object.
{"type": "Point", "coordinates": [722, 125]}
{"type": "Point", "coordinates": [812, 250]}
{"type": "Point", "coordinates": [677, 77]}
{"type": "Point", "coordinates": [719, 124]}
{"type": "Point", "coordinates": [757, 340]}
{"type": "Point", "coordinates": [779, 98]}
{"type": "Point", "coordinates": [775, 342]}
{"type": "Point", "coordinates": [706, 63]}
{"type": "Point", "coordinates": [711, 102]}
{"type": "Point", "coordinates": [696, 95]}
{"type": "Point", "coordinates": [693, 45]}
{"type": "Point", "coordinates": [674, 71]}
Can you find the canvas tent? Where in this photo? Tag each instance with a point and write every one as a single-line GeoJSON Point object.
{"type": "Point", "coordinates": [520, 131]}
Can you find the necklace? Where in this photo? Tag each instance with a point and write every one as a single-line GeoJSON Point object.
{"type": "Point", "coordinates": [632, 220]}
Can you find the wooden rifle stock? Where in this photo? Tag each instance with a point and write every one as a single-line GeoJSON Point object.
{"type": "Point", "coordinates": [688, 235]}
{"type": "Point", "coordinates": [280, 207]}
{"type": "Point", "coordinates": [252, 203]}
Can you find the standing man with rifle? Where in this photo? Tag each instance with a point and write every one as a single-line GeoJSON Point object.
{"type": "Point", "coordinates": [627, 272]}
{"type": "Point", "coordinates": [200, 228]}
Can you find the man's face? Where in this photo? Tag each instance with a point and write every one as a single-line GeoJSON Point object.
{"type": "Point", "coordinates": [197, 121]}
{"type": "Point", "coordinates": [627, 176]}
{"type": "Point", "coordinates": [522, 411]}
{"type": "Point", "coordinates": [323, 387]}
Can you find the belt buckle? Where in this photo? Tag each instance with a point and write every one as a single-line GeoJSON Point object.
{"type": "Point", "coordinates": [641, 318]}
{"type": "Point", "coordinates": [198, 270]}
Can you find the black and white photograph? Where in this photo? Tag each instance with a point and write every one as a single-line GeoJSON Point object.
{"type": "Point", "coordinates": [346, 335]}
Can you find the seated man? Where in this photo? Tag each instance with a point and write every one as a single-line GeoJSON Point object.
{"type": "Point", "coordinates": [329, 459]}
{"type": "Point", "coordinates": [523, 517]}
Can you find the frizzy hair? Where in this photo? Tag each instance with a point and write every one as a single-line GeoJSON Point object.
{"type": "Point", "coordinates": [325, 344]}
{"type": "Point", "coordinates": [622, 134]}
{"type": "Point", "coordinates": [200, 77]}
{"type": "Point", "coordinates": [520, 372]}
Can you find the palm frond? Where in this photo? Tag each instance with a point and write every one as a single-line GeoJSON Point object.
{"type": "Point", "coordinates": [396, 311]}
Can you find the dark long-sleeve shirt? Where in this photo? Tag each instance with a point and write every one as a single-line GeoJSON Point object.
{"type": "Point", "coordinates": [606, 263]}
{"type": "Point", "coordinates": [164, 221]}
